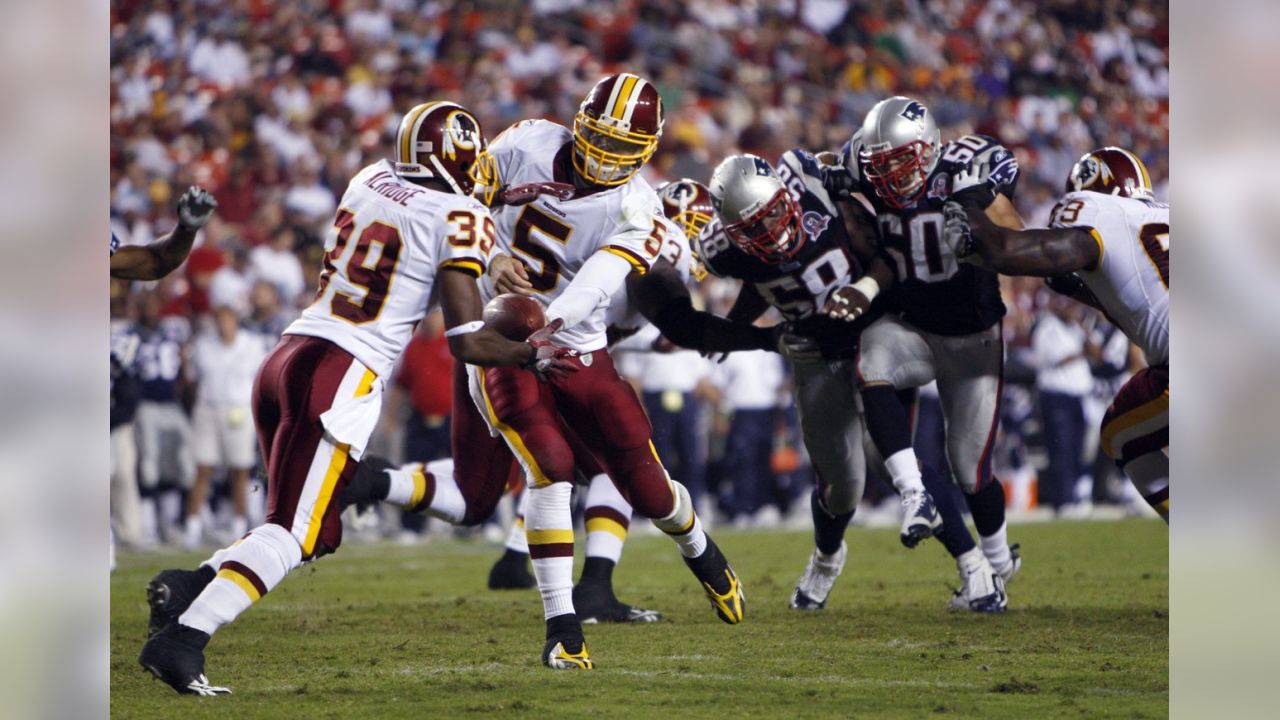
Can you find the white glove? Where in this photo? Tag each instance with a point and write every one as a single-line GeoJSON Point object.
{"type": "Point", "coordinates": [195, 207]}
{"type": "Point", "coordinates": [973, 175]}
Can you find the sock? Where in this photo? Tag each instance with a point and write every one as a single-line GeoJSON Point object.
{"type": "Point", "coordinates": [996, 547]}
{"type": "Point", "coordinates": [828, 529]}
{"type": "Point", "coordinates": [428, 489]}
{"type": "Point", "coordinates": [608, 515]}
{"type": "Point", "coordinates": [516, 540]}
{"type": "Point", "coordinates": [954, 534]}
{"type": "Point", "coordinates": [905, 469]}
{"type": "Point", "coordinates": [549, 521]}
{"type": "Point", "coordinates": [987, 508]}
{"type": "Point", "coordinates": [969, 561]}
{"type": "Point", "coordinates": [683, 525]}
{"type": "Point", "coordinates": [249, 570]}
{"type": "Point", "coordinates": [1150, 474]}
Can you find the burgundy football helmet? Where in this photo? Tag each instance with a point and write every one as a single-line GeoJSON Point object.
{"type": "Point", "coordinates": [616, 129]}
{"type": "Point", "coordinates": [688, 204]}
{"type": "Point", "coordinates": [439, 140]}
{"type": "Point", "coordinates": [1111, 171]}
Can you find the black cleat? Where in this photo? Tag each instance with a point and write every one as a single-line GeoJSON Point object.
{"type": "Point", "coordinates": [176, 656]}
{"type": "Point", "coordinates": [596, 603]}
{"type": "Point", "coordinates": [511, 572]}
{"type": "Point", "coordinates": [565, 648]}
{"type": "Point", "coordinates": [369, 485]}
{"type": "Point", "coordinates": [171, 592]}
{"type": "Point", "coordinates": [719, 582]}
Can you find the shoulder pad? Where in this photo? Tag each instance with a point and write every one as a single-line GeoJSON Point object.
{"type": "Point", "coordinates": [715, 249]}
{"type": "Point", "coordinates": [802, 175]}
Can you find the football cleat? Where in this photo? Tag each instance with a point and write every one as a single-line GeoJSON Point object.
{"type": "Point", "coordinates": [819, 575]}
{"type": "Point", "coordinates": [920, 519]}
{"type": "Point", "coordinates": [1011, 568]}
{"type": "Point", "coordinates": [594, 602]}
{"type": "Point", "coordinates": [511, 572]}
{"type": "Point", "coordinates": [719, 582]}
{"type": "Point", "coordinates": [982, 591]}
{"type": "Point", "coordinates": [176, 656]}
{"type": "Point", "coordinates": [171, 592]}
{"type": "Point", "coordinates": [369, 485]}
{"type": "Point", "coordinates": [557, 656]}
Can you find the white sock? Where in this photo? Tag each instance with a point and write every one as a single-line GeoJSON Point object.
{"type": "Point", "coordinates": [905, 470]}
{"type": "Point", "coordinates": [249, 570]}
{"type": "Point", "coordinates": [996, 546]}
{"type": "Point", "coordinates": [683, 525]}
{"type": "Point", "coordinates": [969, 561]}
{"type": "Point", "coordinates": [608, 515]}
{"type": "Point", "coordinates": [407, 485]}
{"type": "Point", "coordinates": [516, 540]}
{"type": "Point", "coordinates": [549, 529]}
{"type": "Point", "coordinates": [428, 489]}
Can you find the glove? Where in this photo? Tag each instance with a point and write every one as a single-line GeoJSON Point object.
{"type": "Point", "coordinates": [796, 347]}
{"type": "Point", "coordinates": [837, 180]}
{"type": "Point", "coordinates": [550, 361]}
{"type": "Point", "coordinates": [195, 207]}
{"type": "Point", "coordinates": [528, 192]}
{"type": "Point", "coordinates": [955, 229]}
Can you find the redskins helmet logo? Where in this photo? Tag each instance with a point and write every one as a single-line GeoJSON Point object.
{"type": "Point", "coordinates": [1089, 172]}
{"type": "Point", "coordinates": [679, 195]}
{"type": "Point", "coordinates": [461, 131]}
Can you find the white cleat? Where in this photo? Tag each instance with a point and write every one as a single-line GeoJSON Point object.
{"type": "Point", "coordinates": [982, 590]}
{"type": "Point", "coordinates": [819, 575]}
{"type": "Point", "coordinates": [920, 519]}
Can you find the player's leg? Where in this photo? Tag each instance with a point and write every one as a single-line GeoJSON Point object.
{"type": "Point", "coordinates": [1135, 433]}
{"type": "Point", "coordinates": [893, 355]}
{"type": "Point", "coordinates": [603, 409]}
{"type": "Point", "coordinates": [511, 571]}
{"type": "Point", "coordinates": [607, 517]}
{"type": "Point", "coordinates": [306, 467]}
{"type": "Point", "coordinates": [970, 384]}
{"type": "Point", "coordinates": [831, 425]}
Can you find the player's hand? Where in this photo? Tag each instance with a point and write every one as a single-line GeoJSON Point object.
{"type": "Point", "coordinates": [528, 192]}
{"type": "Point", "coordinates": [195, 207]}
{"type": "Point", "coordinates": [796, 347]}
{"type": "Point", "coordinates": [550, 361]}
{"type": "Point", "coordinates": [509, 275]}
{"type": "Point", "coordinates": [837, 180]}
{"type": "Point", "coordinates": [846, 304]}
{"type": "Point", "coordinates": [956, 231]}
{"type": "Point", "coordinates": [970, 176]}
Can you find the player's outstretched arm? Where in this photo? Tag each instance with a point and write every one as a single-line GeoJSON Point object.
{"type": "Point", "coordinates": [154, 261]}
{"type": "Point", "coordinates": [664, 300]}
{"type": "Point", "coordinates": [469, 339]}
{"type": "Point", "coordinates": [1039, 252]}
{"type": "Point", "coordinates": [749, 306]}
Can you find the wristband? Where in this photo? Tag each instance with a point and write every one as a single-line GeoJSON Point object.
{"type": "Point", "coordinates": [464, 328]}
{"type": "Point", "coordinates": [868, 286]}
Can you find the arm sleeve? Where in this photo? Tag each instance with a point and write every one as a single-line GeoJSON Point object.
{"type": "Point", "coordinates": [601, 276]}
{"type": "Point", "coordinates": [702, 331]}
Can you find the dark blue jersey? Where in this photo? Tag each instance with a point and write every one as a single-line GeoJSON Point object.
{"type": "Point", "coordinates": [934, 291]}
{"type": "Point", "coordinates": [800, 287]}
{"type": "Point", "coordinates": [159, 361]}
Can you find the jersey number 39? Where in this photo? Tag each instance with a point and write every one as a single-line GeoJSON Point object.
{"type": "Point", "coordinates": [369, 267]}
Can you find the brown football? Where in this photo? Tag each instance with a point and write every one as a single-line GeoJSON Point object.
{"type": "Point", "coordinates": [514, 316]}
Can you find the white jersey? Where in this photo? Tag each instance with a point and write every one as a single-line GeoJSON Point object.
{"type": "Point", "coordinates": [555, 238]}
{"type": "Point", "coordinates": [622, 313]}
{"type": "Point", "coordinates": [1131, 280]}
{"type": "Point", "coordinates": [392, 238]}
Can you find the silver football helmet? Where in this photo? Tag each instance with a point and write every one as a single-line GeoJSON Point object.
{"type": "Point", "coordinates": [900, 147]}
{"type": "Point", "coordinates": [756, 209]}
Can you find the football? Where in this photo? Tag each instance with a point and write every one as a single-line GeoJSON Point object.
{"type": "Point", "coordinates": [514, 316]}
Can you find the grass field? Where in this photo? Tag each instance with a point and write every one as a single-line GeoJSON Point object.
{"type": "Point", "coordinates": [385, 631]}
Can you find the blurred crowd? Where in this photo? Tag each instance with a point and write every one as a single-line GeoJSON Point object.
{"type": "Point", "coordinates": [274, 106]}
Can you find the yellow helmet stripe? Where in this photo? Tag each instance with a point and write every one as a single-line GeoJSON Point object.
{"type": "Point", "coordinates": [619, 109]}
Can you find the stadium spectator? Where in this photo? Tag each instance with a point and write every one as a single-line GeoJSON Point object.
{"type": "Point", "coordinates": [1063, 351]}
{"type": "Point", "coordinates": [751, 385]}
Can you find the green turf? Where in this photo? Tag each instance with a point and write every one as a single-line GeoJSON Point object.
{"type": "Point", "coordinates": [383, 631]}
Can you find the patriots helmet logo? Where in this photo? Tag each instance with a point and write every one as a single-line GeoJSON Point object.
{"type": "Point", "coordinates": [914, 111]}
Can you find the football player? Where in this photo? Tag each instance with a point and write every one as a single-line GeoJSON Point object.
{"type": "Point", "coordinates": [1107, 245]}
{"type": "Point", "coordinates": [943, 319]}
{"type": "Point", "coordinates": [569, 205]}
{"type": "Point", "coordinates": [154, 261]}
{"type": "Point", "coordinates": [660, 296]}
{"type": "Point", "coordinates": [783, 236]}
{"type": "Point", "coordinates": [407, 233]}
